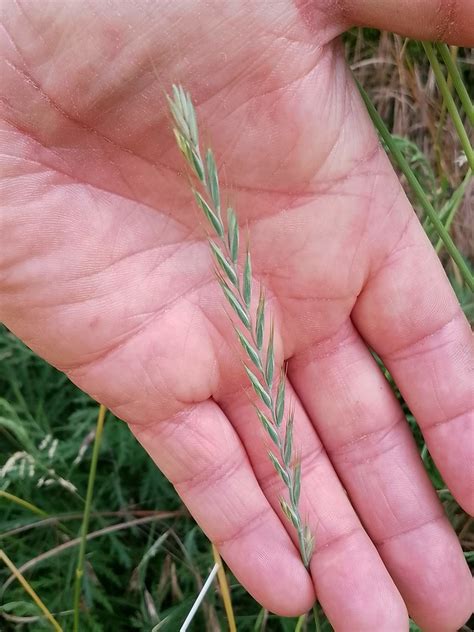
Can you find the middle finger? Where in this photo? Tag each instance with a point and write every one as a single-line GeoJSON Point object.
{"type": "Point", "coordinates": [371, 447]}
{"type": "Point", "coordinates": [351, 582]}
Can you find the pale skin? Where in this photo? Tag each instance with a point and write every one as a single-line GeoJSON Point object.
{"type": "Point", "coordinates": [106, 273]}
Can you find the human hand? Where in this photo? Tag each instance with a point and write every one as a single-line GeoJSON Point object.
{"type": "Point", "coordinates": [106, 273]}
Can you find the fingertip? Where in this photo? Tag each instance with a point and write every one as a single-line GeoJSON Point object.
{"type": "Point", "coordinates": [299, 598]}
{"type": "Point", "coordinates": [437, 587]}
{"type": "Point", "coordinates": [355, 589]}
{"type": "Point", "coordinates": [449, 614]}
{"type": "Point", "coordinates": [278, 580]}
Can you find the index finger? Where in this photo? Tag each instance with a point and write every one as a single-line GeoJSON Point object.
{"type": "Point", "coordinates": [201, 454]}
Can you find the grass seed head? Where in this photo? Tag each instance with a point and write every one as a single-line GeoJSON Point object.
{"type": "Point", "coordinates": [236, 286]}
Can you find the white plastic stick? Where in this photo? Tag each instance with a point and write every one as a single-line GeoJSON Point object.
{"type": "Point", "coordinates": [199, 598]}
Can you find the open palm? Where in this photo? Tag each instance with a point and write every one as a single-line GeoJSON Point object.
{"type": "Point", "coordinates": [105, 271]}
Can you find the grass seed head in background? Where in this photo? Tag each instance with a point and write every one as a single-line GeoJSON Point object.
{"type": "Point", "coordinates": [236, 286]}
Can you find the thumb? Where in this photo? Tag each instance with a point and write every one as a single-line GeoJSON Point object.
{"type": "Point", "coordinates": [451, 21]}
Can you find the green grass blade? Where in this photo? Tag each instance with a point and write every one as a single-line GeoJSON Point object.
{"type": "Point", "coordinates": [450, 105]}
{"type": "Point", "coordinates": [417, 189]}
{"type": "Point", "coordinates": [453, 207]}
{"type": "Point", "coordinates": [23, 503]}
{"type": "Point", "coordinates": [457, 80]}
{"type": "Point", "coordinates": [87, 513]}
{"type": "Point", "coordinates": [300, 623]}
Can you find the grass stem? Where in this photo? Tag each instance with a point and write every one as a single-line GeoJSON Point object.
{"type": "Point", "coordinates": [23, 503]}
{"type": "Point", "coordinates": [455, 203]}
{"type": "Point", "coordinates": [34, 509]}
{"type": "Point", "coordinates": [317, 622]}
{"type": "Point", "coordinates": [225, 592]}
{"type": "Point", "coordinates": [29, 589]}
{"type": "Point", "coordinates": [450, 104]}
{"type": "Point", "coordinates": [86, 516]}
{"type": "Point", "coordinates": [417, 189]}
{"type": "Point", "coordinates": [457, 80]}
{"type": "Point", "coordinates": [440, 126]}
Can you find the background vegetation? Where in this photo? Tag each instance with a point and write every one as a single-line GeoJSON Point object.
{"type": "Point", "coordinates": [146, 559]}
